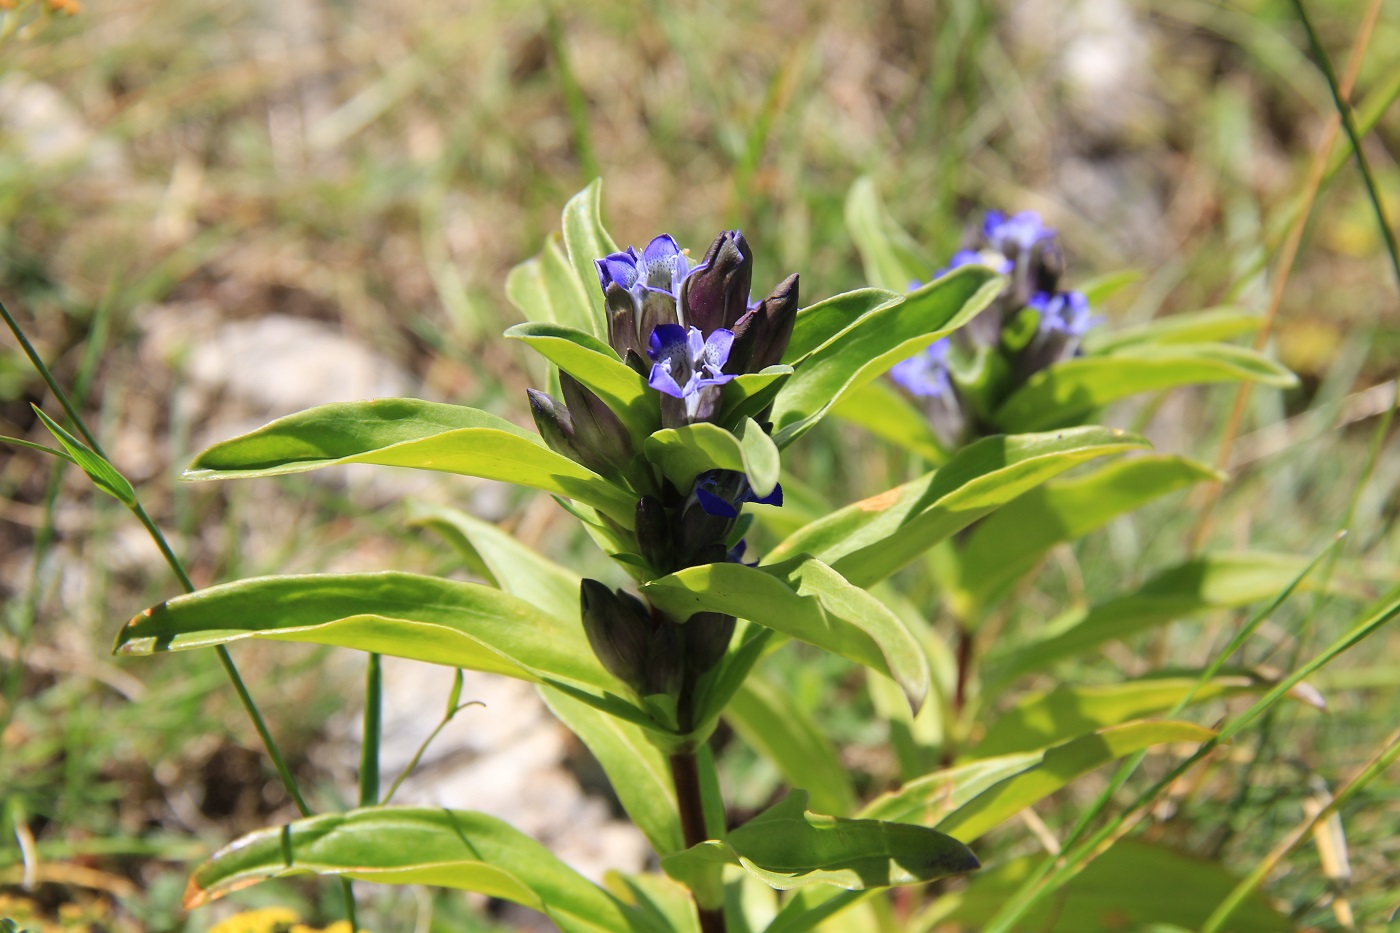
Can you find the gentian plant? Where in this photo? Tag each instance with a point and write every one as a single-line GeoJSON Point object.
{"type": "Point", "coordinates": [668, 401]}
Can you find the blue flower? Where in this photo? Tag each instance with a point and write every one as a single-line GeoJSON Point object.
{"type": "Point", "coordinates": [722, 493]}
{"type": "Point", "coordinates": [661, 267]}
{"type": "Point", "coordinates": [925, 375]}
{"type": "Point", "coordinates": [685, 361]}
{"type": "Point", "coordinates": [1022, 230]}
{"type": "Point", "coordinates": [1064, 313]}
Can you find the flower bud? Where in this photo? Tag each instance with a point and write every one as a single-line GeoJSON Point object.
{"type": "Point", "coordinates": [617, 631]}
{"type": "Point", "coordinates": [717, 293]}
{"type": "Point", "coordinates": [555, 424]}
{"type": "Point", "coordinates": [622, 320]}
{"type": "Point", "coordinates": [762, 335]}
{"type": "Point", "coordinates": [707, 637]}
{"type": "Point", "coordinates": [653, 530]}
{"type": "Point", "coordinates": [665, 664]}
{"type": "Point", "coordinates": [601, 438]}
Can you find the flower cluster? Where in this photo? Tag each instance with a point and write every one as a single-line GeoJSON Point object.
{"type": "Point", "coordinates": [690, 329]}
{"type": "Point", "coordinates": [1030, 325]}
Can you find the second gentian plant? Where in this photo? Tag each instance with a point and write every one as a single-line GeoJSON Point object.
{"type": "Point", "coordinates": [669, 399]}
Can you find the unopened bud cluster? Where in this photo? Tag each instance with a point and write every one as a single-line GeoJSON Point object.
{"type": "Point", "coordinates": [1031, 324]}
{"type": "Point", "coordinates": [689, 329]}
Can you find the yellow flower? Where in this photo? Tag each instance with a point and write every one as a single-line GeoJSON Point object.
{"type": "Point", "coordinates": [264, 920]}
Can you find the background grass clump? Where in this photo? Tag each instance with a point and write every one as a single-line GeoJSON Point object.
{"type": "Point", "coordinates": [214, 214]}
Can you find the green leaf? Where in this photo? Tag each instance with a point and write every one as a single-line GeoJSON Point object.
{"type": "Point", "coordinates": [788, 846]}
{"type": "Point", "coordinates": [586, 240]}
{"type": "Point", "coordinates": [1212, 581]}
{"type": "Point", "coordinates": [503, 560]}
{"type": "Point", "coordinates": [409, 433]}
{"type": "Point", "coordinates": [1070, 391]}
{"type": "Point", "coordinates": [1010, 542]}
{"type": "Point", "coordinates": [51, 451]}
{"type": "Point", "coordinates": [748, 394]}
{"type": "Point", "coordinates": [413, 845]}
{"type": "Point", "coordinates": [889, 255]}
{"type": "Point", "coordinates": [103, 475]}
{"type": "Point", "coordinates": [667, 903]}
{"type": "Point", "coordinates": [883, 411]}
{"type": "Point", "coordinates": [687, 451]}
{"type": "Point", "coordinates": [1133, 886]}
{"type": "Point", "coordinates": [638, 771]}
{"type": "Point", "coordinates": [809, 601]}
{"type": "Point", "coordinates": [1101, 287]}
{"type": "Point", "coordinates": [875, 342]}
{"type": "Point", "coordinates": [595, 364]}
{"type": "Point", "coordinates": [398, 614]}
{"type": "Point", "coordinates": [817, 324]}
{"type": "Point", "coordinates": [770, 720]}
{"type": "Point", "coordinates": [1204, 326]}
{"type": "Point", "coordinates": [1047, 717]}
{"type": "Point", "coordinates": [546, 288]}
{"type": "Point", "coordinates": [871, 539]}
{"type": "Point", "coordinates": [970, 799]}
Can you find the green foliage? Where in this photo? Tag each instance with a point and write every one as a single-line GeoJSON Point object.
{"type": "Point", "coordinates": [409, 845]}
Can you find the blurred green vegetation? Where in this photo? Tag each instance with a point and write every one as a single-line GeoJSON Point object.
{"type": "Point", "coordinates": [378, 168]}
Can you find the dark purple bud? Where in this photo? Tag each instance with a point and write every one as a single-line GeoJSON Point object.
{"type": "Point", "coordinates": [665, 664]}
{"type": "Point", "coordinates": [707, 637]}
{"type": "Point", "coordinates": [600, 436]}
{"type": "Point", "coordinates": [618, 633]}
{"type": "Point", "coordinates": [622, 320]}
{"type": "Point", "coordinates": [555, 424]}
{"type": "Point", "coordinates": [716, 294]}
{"type": "Point", "coordinates": [762, 335]}
{"type": "Point", "coordinates": [654, 535]}
{"type": "Point", "coordinates": [658, 309]}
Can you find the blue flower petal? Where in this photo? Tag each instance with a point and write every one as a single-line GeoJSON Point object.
{"type": "Point", "coordinates": [712, 504]}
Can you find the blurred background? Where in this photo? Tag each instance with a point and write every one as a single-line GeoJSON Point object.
{"type": "Point", "coordinates": [213, 214]}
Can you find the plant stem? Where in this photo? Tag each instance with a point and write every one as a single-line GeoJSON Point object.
{"type": "Point", "coordinates": [685, 774]}
{"type": "Point", "coordinates": [369, 747]}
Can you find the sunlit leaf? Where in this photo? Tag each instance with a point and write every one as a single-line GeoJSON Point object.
{"type": "Point", "coordinates": [809, 601]}
{"type": "Point", "coordinates": [883, 411]}
{"type": "Point", "coordinates": [1206, 326]}
{"type": "Point", "coordinates": [1068, 392]}
{"type": "Point", "coordinates": [788, 846]}
{"type": "Point", "coordinates": [409, 433]}
{"type": "Point", "coordinates": [103, 475]}
{"type": "Point", "coordinates": [970, 799]}
{"type": "Point", "coordinates": [585, 240]}
{"type": "Point", "coordinates": [685, 452]}
{"type": "Point", "coordinates": [412, 845]}
{"type": "Point", "coordinates": [871, 539]}
{"type": "Point", "coordinates": [876, 341]}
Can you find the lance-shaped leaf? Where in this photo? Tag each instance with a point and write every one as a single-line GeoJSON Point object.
{"type": "Point", "coordinates": [409, 433]}
{"type": "Point", "coordinates": [595, 364]}
{"type": "Point", "coordinates": [875, 342]}
{"type": "Point", "coordinates": [1207, 326]}
{"type": "Point", "coordinates": [418, 845]}
{"type": "Point", "coordinates": [809, 601]}
{"type": "Point", "coordinates": [663, 900]}
{"type": "Point", "coordinates": [1212, 581]}
{"type": "Point", "coordinates": [888, 254]}
{"type": "Point", "coordinates": [817, 324]}
{"type": "Point", "coordinates": [788, 846]}
{"type": "Point", "coordinates": [1011, 541]}
{"type": "Point", "coordinates": [1048, 717]}
{"type": "Point", "coordinates": [546, 288]}
{"type": "Point", "coordinates": [1069, 392]}
{"type": "Point", "coordinates": [770, 720]}
{"type": "Point", "coordinates": [749, 394]}
{"type": "Point", "coordinates": [685, 452]}
{"type": "Point", "coordinates": [398, 614]}
{"type": "Point", "coordinates": [1135, 886]}
{"type": "Point", "coordinates": [585, 240]}
{"type": "Point", "coordinates": [884, 412]}
{"type": "Point", "coordinates": [103, 475]}
{"type": "Point", "coordinates": [968, 800]}
{"type": "Point", "coordinates": [871, 539]}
